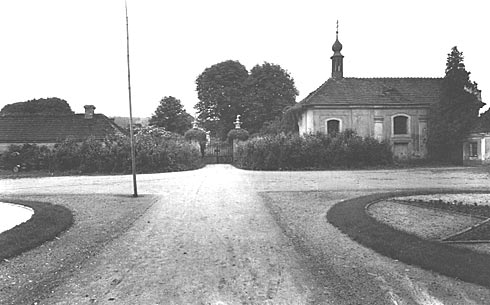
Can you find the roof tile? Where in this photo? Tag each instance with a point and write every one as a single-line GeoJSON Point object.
{"type": "Point", "coordinates": [376, 91]}
{"type": "Point", "coordinates": [50, 128]}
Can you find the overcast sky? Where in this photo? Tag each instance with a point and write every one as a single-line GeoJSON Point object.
{"type": "Point", "coordinates": [76, 49]}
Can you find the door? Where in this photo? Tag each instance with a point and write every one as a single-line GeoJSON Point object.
{"type": "Point", "coordinates": [400, 150]}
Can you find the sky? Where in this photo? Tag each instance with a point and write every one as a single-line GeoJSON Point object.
{"type": "Point", "coordinates": [76, 49]}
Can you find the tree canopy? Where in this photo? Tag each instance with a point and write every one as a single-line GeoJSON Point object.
{"type": "Point", "coordinates": [227, 89]}
{"type": "Point", "coordinates": [455, 114]}
{"type": "Point", "coordinates": [270, 90]}
{"type": "Point", "coordinates": [43, 106]}
{"type": "Point", "coordinates": [220, 91]}
{"type": "Point", "coordinates": [171, 115]}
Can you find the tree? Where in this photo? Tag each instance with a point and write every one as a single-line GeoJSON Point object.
{"type": "Point", "coordinates": [43, 106]}
{"type": "Point", "coordinates": [220, 89]}
{"type": "Point", "coordinates": [171, 115]}
{"type": "Point", "coordinates": [270, 90]}
{"type": "Point", "coordinates": [454, 115]}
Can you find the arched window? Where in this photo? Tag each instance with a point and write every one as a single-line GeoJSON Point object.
{"type": "Point", "coordinates": [333, 126]}
{"type": "Point", "coordinates": [400, 125]}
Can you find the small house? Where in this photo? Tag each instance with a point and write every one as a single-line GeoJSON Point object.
{"type": "Point", "coordinates": [47, 130]}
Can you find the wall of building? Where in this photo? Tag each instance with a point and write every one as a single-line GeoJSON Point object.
{"type": "Point", "coordinates": [482, 141]}
{"type": "Point", "coordinates": [375, 122]}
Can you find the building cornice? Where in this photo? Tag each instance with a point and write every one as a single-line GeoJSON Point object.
{"type": "Point", "coordinates": [364, 106]}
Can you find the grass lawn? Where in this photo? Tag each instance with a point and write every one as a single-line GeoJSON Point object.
{"type": "Point", "coordinates": [45, 224]}
{"type": "Point", "coordinates": [478, 233]}
{"type": "Point", "coordinates": [351, 218]}
{"type": "Point", "coordinates": [97, 219]}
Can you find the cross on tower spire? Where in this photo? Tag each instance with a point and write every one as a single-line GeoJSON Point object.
{"type": "Point", "coordinates": [337, 58]}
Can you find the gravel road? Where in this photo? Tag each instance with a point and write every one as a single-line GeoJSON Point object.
{"type": "Point", "coordinates": [220, 235]}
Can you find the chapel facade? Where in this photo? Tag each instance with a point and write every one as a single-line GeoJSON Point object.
{"type": "Point", "coordinates": [395, 110]}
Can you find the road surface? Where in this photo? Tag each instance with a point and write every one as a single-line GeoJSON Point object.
{"type": "Point", "coordinates": [220, 235]}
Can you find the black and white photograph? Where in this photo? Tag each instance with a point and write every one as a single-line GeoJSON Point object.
{"type": "Point", "coordinates": [244, 152]}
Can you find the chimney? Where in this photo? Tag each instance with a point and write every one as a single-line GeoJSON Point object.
{"type": "Point", "coordinates": [89, 111]}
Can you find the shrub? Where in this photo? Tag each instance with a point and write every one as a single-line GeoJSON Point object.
{"type": "Point", "coordinates": [195, 134]}
{"type": "Point", "coordinates": [238, 134]}
{"type": "Point", "coordinates": [66, 155]}
{"type": "Point", "coordinates": [318, 151]}
{"type": "Point", "coordinates": [198, 135]}
{"type": "Point", "coordinates": [154, 153]}
{"type": "Point", "coordinates": [31, 156]}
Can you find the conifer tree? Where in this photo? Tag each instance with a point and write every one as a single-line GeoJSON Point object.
{"type": "Point", "coordinates": [452, 118]}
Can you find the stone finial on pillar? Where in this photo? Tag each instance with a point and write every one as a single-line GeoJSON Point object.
{"type": "Point", "coordinates": [237, 122]}
{"type": "Point", "coordinates": [194, 124]}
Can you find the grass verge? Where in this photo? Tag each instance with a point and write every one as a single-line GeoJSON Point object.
{"type": "Point", "coordinates": [45, 224]}
{"type": "Point", "coordinates": [99, 219]}
{"type": "Point", "coordinates": [351, 218]}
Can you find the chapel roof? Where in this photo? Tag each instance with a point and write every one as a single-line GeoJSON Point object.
{"type": "Point", "coordinates": [375, 91]}
{"type": "Point", "coordinates": [52, 128]}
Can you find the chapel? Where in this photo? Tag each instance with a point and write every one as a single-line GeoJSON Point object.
{"type": "Point", "coordinates": [390, 109]}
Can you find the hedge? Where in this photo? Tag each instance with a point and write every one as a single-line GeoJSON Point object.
{"type": "Point", "coordinates": [112, 155]}
{"type": "Point", "coordinates": [314, 151]}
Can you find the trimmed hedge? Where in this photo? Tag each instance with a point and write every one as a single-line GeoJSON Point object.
{"type": "Point", "coordinates": [351, 217]}
{"type": "Point", "coordinates": [239, 134]}
{"type": "Point", "coordinates": [314, 151]}
{"type": "Point", "coordinates": [195, 134]}
{"type": "Point", "coordinates": [155, 152]}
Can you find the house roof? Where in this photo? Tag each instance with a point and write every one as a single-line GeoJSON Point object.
{"type": "Point", "coordinates": [52, 128]}
{"type": "Point", "coordinates": [482, 124]}
{"type": "Point", "coordinates": [375, 91]}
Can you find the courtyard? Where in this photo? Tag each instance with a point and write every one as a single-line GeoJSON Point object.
{"type": "Point", "coordinates": [220, 235]}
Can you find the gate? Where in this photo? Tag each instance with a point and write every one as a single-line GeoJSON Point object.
{"type": "Point", "coordinates": [218, 152]}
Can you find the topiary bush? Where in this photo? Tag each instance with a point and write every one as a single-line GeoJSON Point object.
{"type": "Point", "coordinates": [195, 134]}
{"type": "Point", "coordinates": [198, 135]}
{"type": "Point", "coordinates": [318, 151]}
{"type": "Point", "coordinates": [238, 134]}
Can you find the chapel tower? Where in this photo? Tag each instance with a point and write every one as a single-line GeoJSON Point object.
{"type": "Point", "coordinates": [337, 58]}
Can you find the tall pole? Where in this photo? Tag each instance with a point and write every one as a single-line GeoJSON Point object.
{"type": "Point", "coordinates": [131, 132]}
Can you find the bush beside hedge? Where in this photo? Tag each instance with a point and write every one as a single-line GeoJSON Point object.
{"type": "Point", "coordinates": [318, 151]}
{"type": "Point", "coordinates": [238, 134]}
{"type": "Point", "coordinates": [154, 153]}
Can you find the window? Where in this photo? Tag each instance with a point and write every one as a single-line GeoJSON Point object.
{"type": "Point", "coordinates": [333, 126]}
{"type": "Point", "coordinates": [473, 149]}
{"type": "Point", "coordinates": [400, 125]}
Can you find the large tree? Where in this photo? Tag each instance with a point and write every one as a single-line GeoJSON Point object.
{"type": "Point", "coordinates": [454, 115]}
{"type": "Point", "coordinates": [220, 89]}
{"type": "Point", "coordinates": [43, 106]}
{"type": "Point", "coordinates": [227, 89]}
{"type": "Point", "coordinates": [270, 90]}
{"type": "Point", "coordinates": [171, 115]}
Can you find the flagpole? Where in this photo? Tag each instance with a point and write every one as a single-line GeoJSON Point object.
{"type": "Point", "coordinates": [131, 132]}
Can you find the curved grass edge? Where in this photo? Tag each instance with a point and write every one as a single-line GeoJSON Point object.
{"type": "Point", "coordinates": [46, 223]}
{"type": "Point", "coordinates": [350, 217]}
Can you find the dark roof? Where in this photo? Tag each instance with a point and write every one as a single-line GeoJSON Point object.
{"type": "Point", "coordinates": [482, 124]}
{"type": "Point", "coordinates": [51, 128]}
{"type": "Point", "coordinates": [376, 91]}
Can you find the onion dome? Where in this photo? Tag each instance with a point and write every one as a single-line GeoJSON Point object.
{"type": "Point", "coordinates": [337, 46]}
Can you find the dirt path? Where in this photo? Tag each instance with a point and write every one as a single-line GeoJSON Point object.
{"type": "Point", "coordinates": [225, 236]}
{"type": "Point", "coordinates": [208, 241]}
